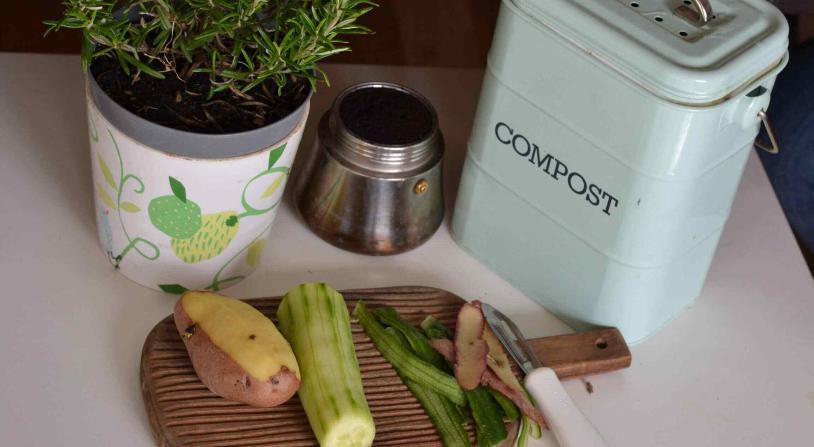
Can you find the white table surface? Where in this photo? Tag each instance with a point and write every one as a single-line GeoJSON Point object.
{"type": "Point", "coordinates": [736, 369]}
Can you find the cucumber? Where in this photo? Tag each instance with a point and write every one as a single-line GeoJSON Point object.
{"type": "Point", "coordinates": [415, 339]}
{"type": "Point", "coordinates": [314, 319]}
{"type": "Point", "coordinates": [408, 365]}
{"type": "Point", "coordinates": [535, 431]}
{"type": "Point", "coordinates": [487, 412]}
{"type": "Point", "coordinates": [446, 417]}
{"type": "Point", "coordinates": [435, 329]}
{"type": "Point", "coordinates": [523, 432]}
{"type": "Point", "coordinates": [509, 409]}
{"type": "Point", "coordinates": [528, 428]}
{"type": "Point", "coordinates": [489, 426]}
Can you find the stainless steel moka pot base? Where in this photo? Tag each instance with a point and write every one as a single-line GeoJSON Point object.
{"type": "Point", "coordinates": [374, 184]}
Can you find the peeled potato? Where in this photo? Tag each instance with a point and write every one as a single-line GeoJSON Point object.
{"type": "Point", "coordinates": [236, 351]}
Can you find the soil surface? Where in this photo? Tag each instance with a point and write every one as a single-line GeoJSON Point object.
{"type": "Point", "coordinates": [386, 116]}
{"type": "Point", "coordinates": [184, 105]}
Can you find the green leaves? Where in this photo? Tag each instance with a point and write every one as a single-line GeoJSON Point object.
{"type": "Point", "coordinates": [239, 43]}
{"type": "Point", "coordinates": [105, 197]}
{"type": "Point", "coordinates": [86, 53]}
{"type": "Point", "coordinates": [178, 189]}
{"type": "Point", "coordinates": [275, 155]}
{"type": "Point", "coordinates": [130, 207]}
{"type": "Point", "coordinates": [255, 252]}
{"type": "Point", "coordinates": [128, 59]}
{"type": "Point", "coordinates": [273, 187]}
{"type": "Point", "coordinates": [173, 288]}
{"type": "Point", "coordinates": [107, 174]}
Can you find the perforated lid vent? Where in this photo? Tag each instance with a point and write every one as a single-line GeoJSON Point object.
{"type": "Point", "coordinates": [666, 47]}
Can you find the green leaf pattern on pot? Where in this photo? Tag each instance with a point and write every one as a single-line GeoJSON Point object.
{"type": "Point", "coordinates": [107, 174]}
{"type": "Point", "coordinates": [255, 252]}
{"type": "Point", "coordinates": [119, 185]}
{"type": "Point", "coordinates": [273, 187]}
{"type": "Point", "coordinates": [173, 288]}
{"type": "Point", "coordinates": [197, 238]}
{"type": "Point", "coordinates": [130, 207]}
{"type": "Point", "coordinates": [174, 215]}
{"type": "Point", "coordinates": [175, 218]}
{"type": "Point", "coordinates": [178, 189]}
{"type": "Point", "coordinates": [215, 234]}
{"type": "Point", "coordinates": [106, 199]}
{"type": "Point", "coordinates": [275, 154]}
{"type": "Point", "coordinates": [94, 134]}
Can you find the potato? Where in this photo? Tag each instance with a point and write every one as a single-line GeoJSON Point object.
{"type": "Point", "coordinates": [470, 349]}
{"type": "Point", "coordinates": [236, 351]}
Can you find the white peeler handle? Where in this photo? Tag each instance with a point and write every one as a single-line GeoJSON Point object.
{"type": "Point", "coordinates": [566, 422]}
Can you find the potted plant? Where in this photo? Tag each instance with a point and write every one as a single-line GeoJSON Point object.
{"type": "Point", "coordinates": [196, 109]}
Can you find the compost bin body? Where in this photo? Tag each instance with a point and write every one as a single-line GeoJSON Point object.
{"type": "Point", "coordinates": [606, 151]}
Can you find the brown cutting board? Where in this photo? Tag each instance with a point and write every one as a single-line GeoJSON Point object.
{"type": "Point", "coordinates": [183, 413]}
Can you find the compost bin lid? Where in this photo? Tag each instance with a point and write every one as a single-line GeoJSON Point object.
{"type": "Point", "coordinates": [663, 46]}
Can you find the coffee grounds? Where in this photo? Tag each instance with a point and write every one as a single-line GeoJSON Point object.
{"type": "Point", "coordinates": [386, 116]}
{"type": "Point", "coordinates": [184, 105]}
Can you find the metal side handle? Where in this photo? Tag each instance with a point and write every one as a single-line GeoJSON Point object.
{"type": "Point", "coordinates": [775, 146]}
{"type": "Point", "coordinates": [700, 13]}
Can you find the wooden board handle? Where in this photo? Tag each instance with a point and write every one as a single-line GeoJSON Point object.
{"type": "Point", "coordinates": [584, 353]}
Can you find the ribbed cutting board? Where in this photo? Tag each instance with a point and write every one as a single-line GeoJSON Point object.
{"type": "Point", "coordinates": [183, 413]}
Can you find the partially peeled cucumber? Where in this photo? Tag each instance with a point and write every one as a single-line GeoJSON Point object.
{"type": "Point", "coordinates": [314, 319]}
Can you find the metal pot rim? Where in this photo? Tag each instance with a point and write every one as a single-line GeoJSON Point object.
{"type": "Point", "coordinates": [386, 159]}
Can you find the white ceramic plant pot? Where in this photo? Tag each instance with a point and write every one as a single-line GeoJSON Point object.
{"type": "Point", "coordinates": [178, 210]}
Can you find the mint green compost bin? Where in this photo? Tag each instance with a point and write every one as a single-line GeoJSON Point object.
{"type": "Point", "coordinates": [608, 144]}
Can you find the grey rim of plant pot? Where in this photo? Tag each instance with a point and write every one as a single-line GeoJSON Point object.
{"type": "Point", "coordinates": [190, 144]}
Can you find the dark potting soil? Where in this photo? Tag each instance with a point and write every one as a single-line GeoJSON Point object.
{"type": "Point", "coordinates": [386, 116]}
{"type": "Point", "coordinates": [185, 106]}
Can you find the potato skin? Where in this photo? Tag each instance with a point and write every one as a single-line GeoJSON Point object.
{"type": "Point", "coordinates": [223, 376]}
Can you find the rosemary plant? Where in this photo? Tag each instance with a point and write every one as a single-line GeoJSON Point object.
{"type": "Point", "coordinates": [240, 44]}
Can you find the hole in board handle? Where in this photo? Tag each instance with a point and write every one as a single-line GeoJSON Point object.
{"type": "Point", "coordinates": [601, 343]}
